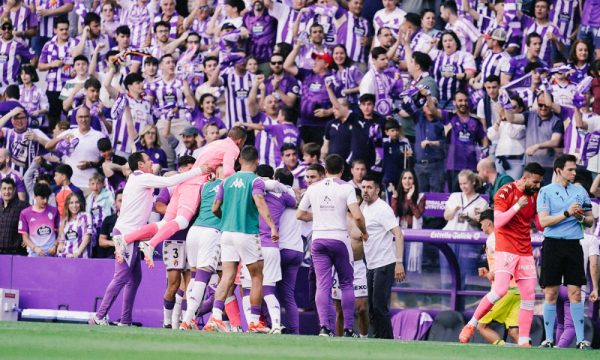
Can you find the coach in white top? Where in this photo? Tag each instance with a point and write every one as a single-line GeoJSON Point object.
{"type": "Point", "coordinates": [384, 258]}
{"type": "Point", "coordinates": [138, 199]}
{"type": "Point", "coordinates": [79, 148]}
{"type": "Point", "coordinates": [330, 199]}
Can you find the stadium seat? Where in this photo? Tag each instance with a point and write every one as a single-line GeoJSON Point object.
{"type": "Point", "coordinates": [446, 326]}
{"type": "Point", "coordinates": [496, 326]}
{"type": "Point", "coordinates": [411, 324]}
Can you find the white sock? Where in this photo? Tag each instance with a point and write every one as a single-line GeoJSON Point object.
{"type": "Point", "coordinates": [176, 311]}
{"type": "Point", "coordinates": [524, 340]}
{"type": "Point", "coordinates": [217, 314]}
{"type": "Point", "coordinates": [254, 318]}
{"type": "Point", "coordinates": [246, 306]}
{"type": "Point", "coordinates": [473, 322]}
{"type": "Point", "coordinates": [274, 311]}
{"type": "Point", "coordinates": [190, 288]}
{"type": "Point", "coordinates": [167, 314]}
{"type": "Point", "coordinates": [194, 300]}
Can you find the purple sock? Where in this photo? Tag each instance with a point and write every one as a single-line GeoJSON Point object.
{"type": "Point", "coordinates": [202, 275]}
{"type": "Point", "coordinates": [255, 309]}
{"type": "Point", "coordinates": [180, 292]}
{"type": "Point", "coordinates": [193, 274]}
{"type": "Point", "coordinates": [219, 304]}
{"type": "Point", "coordinates": [184, 305]}
{"type": "Point", "coordinates": [169, 305]}
{"type": "Point", "coordinates": [268, 290]}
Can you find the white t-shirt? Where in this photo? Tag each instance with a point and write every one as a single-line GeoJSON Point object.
{"type": "Point", "coordinates": [469, 206]}
{"type": "Point", "coordinates": [329, 199]}
{"type": "Point", "coordinates": [380, 219]}
{"type": "Point", "coordinates": [83, 147]}
{"type": "Point", "coordinates": [393, 20]}
{"type": "Point", "coordinates": [591, 247]}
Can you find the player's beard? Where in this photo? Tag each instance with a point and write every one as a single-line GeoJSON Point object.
{"type": "Point", "coordinates": [529, 191]}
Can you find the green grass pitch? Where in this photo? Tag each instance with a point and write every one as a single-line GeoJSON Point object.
{"type": "Point", "coordinates": [64, 341]}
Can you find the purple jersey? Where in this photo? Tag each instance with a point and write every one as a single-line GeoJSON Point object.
{"type": "Point", "coordinates": [139, 20]}
{"type": "Point", "coordinates": [280, 134]}
{"type": "Point", "coordinates": [18, 179]}
{"type": "Point", "coordinates": [263, 30]}
{"type": "Point", "coordinates": [458, 62]}
{"type": "Point", "coordinates": [314, 96]}
{"type": "Point", "coordinates": [288, 84]}
{"type": "Point", "coordinates": [90, 46]}
{"type": "Point", "coordinates": [578, 72]}
{"type": "Point", "coordinates": [57, 77]}
{"type": "Point", "coordinates": [22, 19]}
{"type": "Point", "coordinates": [530, 25]}
{"type": "Point", "coordinates": [591, 13]}
{"type": "Point", "coordinates": [199, 120]}
{"type": "Point", "coordinates": [349, 78]}
{"type": "Point", "coordinates": [141, 116]}
{"type": "Point", "coordinates": [277, 203]}
{"type": "Point", "coordinates": [46, 24]}
{"type": "Point", "coordinates": [33, 99]}
{"type": "Point", "coordinates": [40, 226]}
{"type": "Point", "coordinates": [350, 33]}
{"type": "Point", "coordinates": [518, 64]}
{"type": "Point", "coordinates": [464, 141]}
{"type": "Point", "coordinates": [22, 151]}
{"type": "Point", "coordinates": [168, 95]}
{"type": "Point", "coordinates": [73, 233]}
{"type": "Point", "coordinates": [286, 16]}
{"type": "Point", "coordinates": [324, 15]}
{"type": "Point", "coordinates": [467, 33]}
{"type": "Point", "coordinates": [237, 89]}
{"type": "Point", "coordinates": [172, 21]}
{"type": "Point", "coordinates": [264, 142]}
{"type": "Point", "coordinates": [564, 14]}
{"type": "Point", "coordinates": [11, 54]}
{"type": "Point", "coordinates": [199, 27]}
{"type": "Point", "coordinates": [494, 64]}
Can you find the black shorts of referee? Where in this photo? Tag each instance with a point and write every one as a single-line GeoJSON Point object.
{"type": "Point", "coordinates": [562, 263]}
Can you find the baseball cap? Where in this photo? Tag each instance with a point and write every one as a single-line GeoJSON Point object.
{"type": "Point", "coordinates": [190, 131]}
{"type": "Point", "coordinates": [498, 34]}
{"type": "Point", "coordinates": [325, 57]}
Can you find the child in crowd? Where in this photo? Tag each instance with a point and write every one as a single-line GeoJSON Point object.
{"type": "Point", "coordinates": [75, 230]}
{"type": "Point", "coordinates": [397, 155]}
{"type": "Point", "coordinates": [99, 205]}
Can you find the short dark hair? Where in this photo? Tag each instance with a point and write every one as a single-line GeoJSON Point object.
{"type": "Point", "coordinates": [132, 78]}
{"type": "Point", "coordinates": [373, 178]}
{"type": "Point", "coordinates": [451, 6]}
{"type": "Point", "coordinates": [334, 164]}
{"type": "Point", "coordinates": [92, 83]}
{"type": "Point", "coordinates": [265, 170]}
{"type": "Point", "coordinates": [562, 160]}
{"type": "Point", "coordinates": [238, 4]}
{"type": "Point", "coordinates": [377, 51]}
{"type": "Point", "coordinates": [249, 153]}
{"type": "Point", "coordinates": [413, 18]}
{"type": "Point", "coordinates": [288, 146]}
{"type": "Point", "coordinates": [423, 60]}
{"type": "Point", "coordinates": [9, 181]}
{"type": "Point", "coordinates": [532, 66]}
{"type": "Point", "coordinates": [440, 44]}
{"type": "Point", "coordinates": [62, 19]}
{"type": "Point", "coordinates": [104, 144]}
{"type": "Point", "coordinates": [185, 160]}
{"type": "Point", "coordinates": [289, 114]}
{"type": "Point", "coordinates": [284, 176]}
{"type": "Point", "coordinates": [12, 91]}
{"type": "Point", "coordinates": [531, 36]}
{"type": "Point", "coordinates": [151, 60]}
{"type": "Point", "coordinates": [64, 169]}
{"type": "Point", "coordinates": [42, 190]}
{"type": "Point", "coordinates": [492, 78]}
{"type": "Point", "coordinates": [123, 30]}
{"type": "Point", "coordinates": [81, 58]}
{"type": "Point", "coordinates": [487, 214]}
{"type": "Point", "coordinates": [534, 168]}
{"type": "Point", "coordinates": [392, 124]}
{"type": "Point", "coordinates": [134, 159]}
{"type": "Point", "coordinates": [366, 98]}
{"type": "Point", "coordinates": [318, 168]}
{"type": "Point", "coordinates": [161, 23]}
{"type": "Point", "coordinates": [30, 69]}
{"type": "Point", "coordinates": [312, 149]}
{"type": "Point", "coordinates": [460, 92]}
{"type": "Point", "coordinates": [90, 18]}
{"type": "Point", "coordinates": [162, 58]}
{"type": "Point", "coordinates": [210, 58]}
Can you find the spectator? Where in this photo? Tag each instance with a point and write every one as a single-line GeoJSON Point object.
{"type": "Point", "coordinates": [495, 62]}
{"type": "Point", "coordinates": [80, 144]}
{"type": "Point", "coordinates": [24, 20]}
{"type": "Point", "coordinates": [391, 16]}
{"type": "Point", "coordinates": [208, 113]}
{"type": "Point", "coordinates": [487, 105]}
{"type": "Point", "coordinates": [381, 81]}
{"type": "Point", "coordinates": [33, 99]}
{"type": "Point", "coordinates": [338, 131]}
{"type": "Point", "coordinates": [465, 30]}
{"type": "Point", "coordinates": [311, 153]}
{"type": "Point", "coordinates": [111, 165]}
{"type": "Point", "coordinates": [73, 86]}
{"type": "Point", "coordinates": [580, 59]}
{"type": "Point", "coordinates": [190, 144]}
{"type": "Point", "coordinates": [313, 45]}
{"type": "Point", "coordinates": [283, 86]}
{"type": "Point", "coordinates": [518, 63]}
{"type": "Point", "coordinates": [486, 170]}
{"type": "Point", "coordinates": [430, 151]}
{"type": "Point", "coordinates": [64, 187]}
{"type": "Point", "coordinates": [91, 101]}
{"type": "Point", "coordinates": [75, 231]}
{"type": "Point", "coordinates": [347, 75]}
{"type": "Point", "coordinates": [358, 170]}
{"type": "Point", "coordinates": [109, 22]}
{"type": "Point", "coordinates": [367, 135]}
{"type": "Point", "coordinates": [10, 210]}
{"type": "Point", "coordinates": [149, 142]}
{"type": "Point", "coordinates": [263, 31]}
{"type": "Point", "coordinates": [7, 172]}
{"type": "Point", "coordinates": [550, 35]}
{"type": "Point", "coordinates": [13, 50]}
{"type": "Point", "coordinates": [428, 23]}
{"type": "Point", "coordinates": [396, 153]}
{"type": "Point", "coordinates": [106, 247]}
{"type": "Point", "coordinates": [466, 135]}
{"type": "Point", "coordinates": [355, 32]}
{"type": "Point", "coordinates": [561, 87]}
{"type": "Point", "coordinates": [99, 205]}
{"type": "Point", "coordinates": [39, 223]}
{"type": "Point", "coordinates": [289, 161]}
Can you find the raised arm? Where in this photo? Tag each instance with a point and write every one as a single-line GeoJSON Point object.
{"type": "Point", "coordinates": [289, 64]}
{"type": "Point", "coordinates": [113, 93]}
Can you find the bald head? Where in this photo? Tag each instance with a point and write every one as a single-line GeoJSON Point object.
{"type": "Point", "coordinates": [486, 169]}
{"type": "Point", "coordinates": [83, 118]}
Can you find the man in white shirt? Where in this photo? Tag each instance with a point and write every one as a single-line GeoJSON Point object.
{"type": "Point", "coordinates": [329, 200]}
{"type": "Point", "coordinates": [79, 148]}
{"type": "Point", "coordinates": [384, 259]}
{"type": "Point", "coordinates": [138, 200]}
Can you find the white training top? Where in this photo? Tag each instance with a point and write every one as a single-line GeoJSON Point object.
{"type": "Point", "coordinates": [329, 199]}
{"type": "Point", "coordinates": [290, 231]}
{"type": "Point", "coordinates": [138, 197]}
{"type": "Point", "coordinates": [591, 247]}
{"type": "Point", "coordinates": [379, 248]}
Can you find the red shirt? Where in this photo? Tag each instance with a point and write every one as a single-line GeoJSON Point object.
{"type": "Point", "coordinates": [515, 236]}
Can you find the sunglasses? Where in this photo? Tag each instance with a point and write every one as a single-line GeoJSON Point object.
{"type": "Point", "coordinates": [276, 62]}
{"type": "Point", "coordinates": [204, 8]}
{"type": "Point", "coordinates": [542, 106]}
{"type": "Point", "coordinates": [193, 42]}
{"type": "Point", "coordinates": [7, 27]}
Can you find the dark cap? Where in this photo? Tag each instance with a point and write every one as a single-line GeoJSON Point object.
{"type": "Point", "coordinates": [190, 131]}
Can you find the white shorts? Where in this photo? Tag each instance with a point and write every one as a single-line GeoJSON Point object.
{"type": "Point", "coordinates": [240, 247]}
{"type": "Point", "coordinates": [360, 282]}
{"type": "Point", "coordinates": [202, 247]}
{"type": "Point", "coordinates": [174, 255]}
{"type": "Point", "coordinates": [271, 269]}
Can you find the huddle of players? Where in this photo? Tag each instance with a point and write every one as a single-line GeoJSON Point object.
{"type": "Point", "coordinates": [562, 209]}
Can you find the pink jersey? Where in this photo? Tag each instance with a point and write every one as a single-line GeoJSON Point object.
{"type": "Point", "coordinates": [221, 152]}
{"type": "Point", "coordinates": [40, 226]}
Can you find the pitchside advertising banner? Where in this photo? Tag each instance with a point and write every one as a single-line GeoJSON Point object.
{"type": "Point", "coordinates": [449, 236]}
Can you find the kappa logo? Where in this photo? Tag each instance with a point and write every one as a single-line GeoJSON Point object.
{"type": "Point", "coordinates": [238, 183]}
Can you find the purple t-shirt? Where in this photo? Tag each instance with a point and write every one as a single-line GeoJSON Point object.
{"type": "Point", "coordinates": [283, 134]}
{"type": "Point", "coordinates": [288, 84]}
{"type": "Point", "coordinates": [277, 203]}
{"type": "Point", "coordinates": [313, 96]}
{"type": "Point", "coordinates": [40, 226]}
{"type": "Point", "coordinates": [17, 179]}
{"type": "Point", "coordinates": [199, 120]}
{"type": "Point", "coordinates": [464, 141]}
{"type": "Point", "coordinates": [591, 13]}
{"type": "Point", "coordinates": [263, 31]}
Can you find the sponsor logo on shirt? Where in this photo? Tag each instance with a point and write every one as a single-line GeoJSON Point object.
{"type": "Point", "coordinates": [44, 230]}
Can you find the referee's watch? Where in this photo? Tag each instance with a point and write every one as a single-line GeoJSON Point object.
{"type": "Point", "coordinates": [566, 214]}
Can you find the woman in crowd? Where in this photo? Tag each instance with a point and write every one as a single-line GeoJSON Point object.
{"type": "Point", "coordinates": [428, 23]}
{"type": "Point", "coordinates": [579, 61]}
{"type": "Point", "coordinates": [347, 76]}
{"type": "Point", "coordinates": [453, 68]}
{"type": "Point", "coordinates": [75, 230]}
{"type": "Point", "coordinates": [252, 65]}
{"type": "Point", "coordinates": [208, 112]}
{"type": "Point", "coordinates": [149, 143]}
{"type": "Point", "coordinates": [409, 205]}
{"type": "Point", "coordinates": [110, 22]}
{"type": "Point", "coordinates": [32, 98]}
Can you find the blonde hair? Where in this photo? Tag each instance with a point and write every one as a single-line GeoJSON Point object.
{"type": "Point", "coordinates": [471, 177]}
{"type": "Point", "coordinates": [146, 130]}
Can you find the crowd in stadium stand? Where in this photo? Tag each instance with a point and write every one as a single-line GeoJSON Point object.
{"type": "Point", "coordinates": [417, 97]}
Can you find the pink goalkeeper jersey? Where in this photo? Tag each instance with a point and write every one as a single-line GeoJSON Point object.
{"type": "Point", "coordinates": [221, 152]}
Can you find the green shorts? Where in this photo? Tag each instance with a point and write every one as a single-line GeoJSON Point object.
{"type": "Point", "coordinates": [506, 310]}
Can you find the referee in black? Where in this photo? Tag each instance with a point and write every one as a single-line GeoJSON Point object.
{"type": "Point", "coordinates": [564, 210]}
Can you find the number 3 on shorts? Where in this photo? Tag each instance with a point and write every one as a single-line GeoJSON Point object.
{"type": "Point", "coordinates": [174, 254]}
